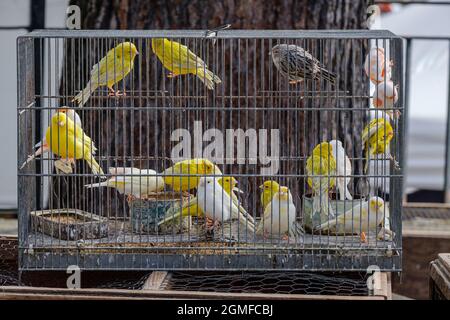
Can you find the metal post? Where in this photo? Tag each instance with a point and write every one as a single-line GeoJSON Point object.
{"type": "Point", "coordinates": [447, 141]}
{"type": "Point", "coordinates": [37, 21]}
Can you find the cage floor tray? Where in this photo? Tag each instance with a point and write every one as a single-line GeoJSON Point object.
{"type": "Point", "coordinates": [69, 224]}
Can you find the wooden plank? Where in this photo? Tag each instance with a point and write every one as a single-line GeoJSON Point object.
{"type": "Point", "coordinates": [385, 290]}
{"type": "Point", "coordinates": [14, 292]}
{"type": "Point", "coordinates": [155, 280]}
{"type": "Point", "coordinates": [433, 205]}
{"type": "Point", "coordinates": [440, 277]}
{"type": "Point", "coordinates": [418, 233]}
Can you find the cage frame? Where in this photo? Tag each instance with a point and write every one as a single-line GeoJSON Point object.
{"type": "Point", "coordinates": [294, 259]}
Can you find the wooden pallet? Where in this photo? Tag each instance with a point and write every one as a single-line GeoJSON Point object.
{"type": "Point", "coordinates": [440, 277]}
{"type": "Point", "coordinates": [425, 234]}
{"type": "Point", "coordinates": [153, 289]}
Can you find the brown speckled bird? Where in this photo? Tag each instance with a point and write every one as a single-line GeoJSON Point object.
{"type": "Point", "coordinates": [298, 64]}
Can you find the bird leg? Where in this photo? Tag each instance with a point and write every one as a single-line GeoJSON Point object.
{"type": "Point", "coordinates": [363, 237]}
{"type": "Point", "coordinates": [396, 164]}
{"type": "Point", "coordinates": [295, 81]}
{"type": "Point", "coordinates": [115, 93]}
{"type": "Point", "coordinates": [285, 237]}
{"type": "Point", "coordinates": [211, 224]}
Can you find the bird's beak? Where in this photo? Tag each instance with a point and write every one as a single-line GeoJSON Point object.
{"type": "Point", "coordinates": [61, 123]}
{"type": "Point", "coordinates": [137, 52]}
{"type": "Point", "coordinates": [261, 187]}
{"type": "Point", "coordinates": [270, 53]}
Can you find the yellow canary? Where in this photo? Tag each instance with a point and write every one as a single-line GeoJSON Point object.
{"type": "Point", "coordinates": [42, 147]}
{"type": "Point", "coordinates": [192, 209]}
{"type": "Point", "coordinates": [182, 176]}
{"type": "Point", "coordinates": [179, 60]}
{"type": "Point", "coordinates": [362, 218]}
{"type": "Point", "coordinates": [376, 138]}
{"type": "Point", "coordinates": [112, 68]}
{"type": "Point", "coordinates": [269, 188]}
{"type": "Point", "coordinates": [68, 140]}
{"type": "Point", "coordinates": [321, 171]}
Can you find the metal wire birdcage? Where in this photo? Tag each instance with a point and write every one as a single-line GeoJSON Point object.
{"type": "Point", "coordinates": [263, 107]}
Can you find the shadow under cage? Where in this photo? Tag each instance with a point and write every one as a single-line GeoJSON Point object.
{"type": "Point", "coordinates": [225, 150]}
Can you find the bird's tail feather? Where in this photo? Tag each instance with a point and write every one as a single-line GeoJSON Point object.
{"type": "Point", "coordinates": [324, 204]}
{"type": "Point", "coordinates": [31, 157]}
{"type": "Point", "coordinates": [82, 97]}
{"type": "Point", "coordinates": [328, 75]}
{"type": "Point", "coordinates": [189, 209]}
{"type": "Point", "coordinates": [243, 219]}
{"type": "Point", "coordinates": [348, 195]}
{"type": "Point", "coordinates": [327, 225]}
{"type": "Point", "coordinates": [246, 214]}
{"type": "Point", "coordinates": [95, 167]}
{"type": "Point", "coordinates": [208, 78]}
{"type": "Point", "coordinates": [96, 185]}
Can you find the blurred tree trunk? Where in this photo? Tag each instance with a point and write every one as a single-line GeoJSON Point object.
{"type": "Point", "coordinates": [119, 133]}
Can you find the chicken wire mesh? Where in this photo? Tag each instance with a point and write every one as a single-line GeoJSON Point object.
{"type": "Point", "coordinates": [225, 150]}
{"type": "Point", "coordinates": [256, 282]}
{"type": "Point", "coordinates": [9, 275]}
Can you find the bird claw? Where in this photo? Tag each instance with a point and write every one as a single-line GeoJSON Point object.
{"type": "Point", "coordinates": [171, 75]}
{"type": "Point", "coordinates": [363, 237]}
{"type": "Point", "coordinates": [131, 198]}
{"type": "Point", "coordinates": [116, 93]}
{"type": "Point", "coordinates": [395, 162]}
{"type": "Point", "coordinates": [210, 224]}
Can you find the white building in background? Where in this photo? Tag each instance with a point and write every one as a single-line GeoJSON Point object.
{"type": "Point", "coordinates": [429, 87]}
{"type": "Point", "coordinates": [16, 13]}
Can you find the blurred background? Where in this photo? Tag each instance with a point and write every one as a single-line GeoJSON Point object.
{"type": "Point", "coordinates": [424, 25]}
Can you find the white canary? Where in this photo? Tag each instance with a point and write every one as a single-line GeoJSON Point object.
{"type": "Point", "coordinates": [361, 219]}
{"type": "Point", "coordinates": [42, 146]}
{"type": "Point", "coordinates": [279, 215]}
{"type": "Point", "coordinates": [343, 169]}
{"type": "Point", "coordinates": [386, 96]}
{"type": "Point", "coordinates": [376, 66]}
{"type": "Point", "coordinates": [133, 182]}
{"type": "Point", "coordinates": [217, 204]}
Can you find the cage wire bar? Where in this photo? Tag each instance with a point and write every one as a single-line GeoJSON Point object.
{"type": "Point", "coordinates": [255, 122]}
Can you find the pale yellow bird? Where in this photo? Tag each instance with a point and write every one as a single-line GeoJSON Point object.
{"type": "Point", "coordinates": [321, 171]}
{"type": "Point", "coordinates": [179, 60]}
{"type": "Point", "coordinates": [192, 209]}
{"type": "Point", "coordinates": [268, 189]}
{"type": "Point", "coordinates": [184, 175]}
{"type": "Point", "coordinates": [376, 138]}
{"type": "Point", "coordinates": [111, 69]}
{"type": "Point", "coordinates": [133, 182]}
{"type": "Point", "coordinates": [343, 169]}
{"type": "Point", "coordinates": [361, 219]}
{"type": "Point", "coordinates": [279, 215]}
{"type": "Point", "coordinates": [217, 204]}
{"type": "Point", "coordinates": [68, 140]}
